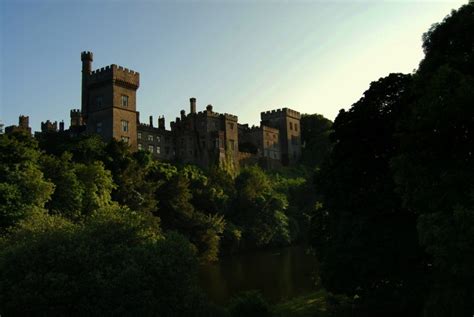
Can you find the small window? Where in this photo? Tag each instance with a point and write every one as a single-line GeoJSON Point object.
{"type": "Point", "coordinates": [140, 146]}
{"type": "Point", "coordinates": [139, 135]}
{"type": "Point", "coordinates": [98, 127]}
{"type": "Point", "coordinates": [296, 126]}
{"type": "Point", "coordinates": [124, 126]}
{"type": "Point", "coordinates": [291, 125]}
{"type": "Point", "coordinates": [125, 139]}
{"type": "Point", "coordinates": [158, 150]}
{"type": "Point", "coordinates": [150, 148]}
{"type": "Point", "coordinates": [150, 137]}
{"type": "Point", "coordinates": [158, 139]}
{"type": "Point", "coordinates": [231, 126]}
{"type": "Point", "coordinates": [124, 101]}
{"type": "Point", "coordinates": [98, 101]}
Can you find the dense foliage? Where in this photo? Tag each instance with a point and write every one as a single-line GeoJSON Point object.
{"type": "Point", "coordinates": [89, 228]}
{"type": "Point", "coordinates": [396, 230]}
{"type": "Point", "coordinates": [384, 194]}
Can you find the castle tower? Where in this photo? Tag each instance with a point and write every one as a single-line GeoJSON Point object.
{"type": "Point", "coordinates": [109, 107]}
{"type": "Point", "coordinates": [86, 58]}
{"type": "Point", "coordinates": [76, 118]}
{"type": "Point", "coordinates": [287, 121]}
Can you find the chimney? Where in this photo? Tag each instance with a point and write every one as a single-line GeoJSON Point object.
{"type": "Point", "coordinates": [192, 105]}
{"type": "Point", "coordinates": [161, 123]}
{"type": "Point", "coordinates": [183, 114]}
{"type": "Point", "coordinates": [209, 108]}
{"type": "Point", "coordinates": [61, 126]}
{"type": "Point", "coordinates": [151, 121]}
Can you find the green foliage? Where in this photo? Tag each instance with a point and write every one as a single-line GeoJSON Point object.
{"type": "Point", "coordinates": [22, 185]}
{"type": "Point", "coordinates": [434, 169]}
{"type": "Point", "coordinates": [97, 184]}
{"type": "Point", "coordinates": [366, 240]}
{"type": "Point", "coordinates": [115, 263]}
{"type": "Point", "coordinates": [68, 195]}
{"type": "Point", "coordinates": [249, 304]}
{"type": "Point", "coordinates": [260, 210]}
{"type": "Point", "coordinates": [315, 131]}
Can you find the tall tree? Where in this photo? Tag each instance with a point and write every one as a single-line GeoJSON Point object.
{"type": "Point", "coordinates": [366, 239]}
{"type": "Point", "coordinates": [435, 167]}
{"type": "Point", "coordinates": [22, 184]}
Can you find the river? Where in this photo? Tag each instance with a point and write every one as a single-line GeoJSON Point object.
{"type": "Point", "coordinates": [279, 274]}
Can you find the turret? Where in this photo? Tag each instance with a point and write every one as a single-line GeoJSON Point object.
{"type": "Point", "coordinates": [76, 118]}
{"type": "Point", "coordinates": [151, 121]}
{"type": "Point", "coordinates": [86, 58]}
{"type": "Point", "coordinates": [192, 105]}
{"type": "Point", "coordinates": [24, 122]}
{"type": "Point", "coordinates": [161, 123]}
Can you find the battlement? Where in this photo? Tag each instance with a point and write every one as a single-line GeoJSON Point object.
{"type": "Point", "coordinates": [87, 56]}
{"type": "Point", "coordinates": [115, 73]}
{"type": "Point", "coordinates": [278, 113]}
{"type": "Point", "coordinates": [229, 116]}
{"type": "Point", "coordinates": [75, 112]}
{"type": "Point", "coordinates": [49, 126]}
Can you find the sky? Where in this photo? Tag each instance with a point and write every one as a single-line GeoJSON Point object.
{"type": "Point", "coordinates": [243, 57]}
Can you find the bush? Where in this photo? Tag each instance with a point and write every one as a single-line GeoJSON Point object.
{"type": "Point", "coordinates": [249, 304]}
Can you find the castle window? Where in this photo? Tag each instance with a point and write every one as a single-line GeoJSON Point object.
{"type": "Point", "coordinates": [150, 148]}
{"type": "Point", "coordinates": [124, 101]}
{"type": "Point", "coordinates": [231, 126]}
{"type": "Point", "coordinates": [291, 125]}
{"type": "Point", "coordinates": [150, 137]}
{"type": "Point", "coordinates": [98, 101]}
{"type": "Point", "coordinates": [158, 150]}
{"type": "Point", "coordinates": [125, 139]}
{"type": "Point", "coordinates": [139, 135]}
{"type": "Point", "coordinates": [158, 139]}
{"type": "Point", "coordinates": [231, 144]}
{"type": "Point", "coordinates": [98, 127]}
{"type": "Point", "coordinates": [124, 125]}
{"type": "Point", "coordinates": [140, 146]}
{"type": "Point", "coordinates": [296, 126]}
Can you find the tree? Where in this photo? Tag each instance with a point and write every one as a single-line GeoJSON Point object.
{"type": "Point", "coordinates": [315, 131]}
{"type": "Point", "coordinates": [68, 195]}
{"type": "Point", "coordinates": [117, 262]}
{"type": "Point", "coordinates": [435, 166]}
{"type": "Point", "coordinates": [259, 210]}
{"type": "Point", "coordinates": [22, 185]}
{"type": "Point", "coordinates": [367, 240]}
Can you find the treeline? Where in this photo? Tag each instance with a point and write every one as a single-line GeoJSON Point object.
{"type": "Point", "coordinates": [396, 231]}
{"type": "Point", "coordinates": [92, 228]}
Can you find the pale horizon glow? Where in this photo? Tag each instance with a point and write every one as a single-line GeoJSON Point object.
{"type": "Point", "coordinates": [243, 57]}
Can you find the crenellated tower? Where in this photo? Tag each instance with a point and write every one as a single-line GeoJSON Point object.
{"type": "Point", "coordinates": [287, 121]}
{"type": "Point", "coordinates": [86, 58]}
{"type": "Point", "coordinates": [109, 101]}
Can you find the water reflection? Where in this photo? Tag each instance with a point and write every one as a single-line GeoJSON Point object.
{"type": "Point", "coordinates": [278, 274]}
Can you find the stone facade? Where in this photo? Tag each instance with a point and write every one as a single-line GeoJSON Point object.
{"type": "Point", "coordinates": [23, 125]}
{"type": "Point", "coordinates": [287, 121]}
{"type": "Point", "coordinates": [109, 101]}
{"type": "Point", "coordinates": [204, 138]}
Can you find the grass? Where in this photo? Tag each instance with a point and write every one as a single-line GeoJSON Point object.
{"type": "Point", "coordinates": [313, 304]}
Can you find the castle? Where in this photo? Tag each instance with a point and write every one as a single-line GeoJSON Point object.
{"type": "Point", "coordinates": [203, 138]}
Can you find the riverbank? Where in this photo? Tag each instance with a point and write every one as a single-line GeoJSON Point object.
{"type": "Point", "coordinates": [315, 304]}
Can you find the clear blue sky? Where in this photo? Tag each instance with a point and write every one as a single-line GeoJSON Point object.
{"type": "Point", "coordinates": [243, 57]}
